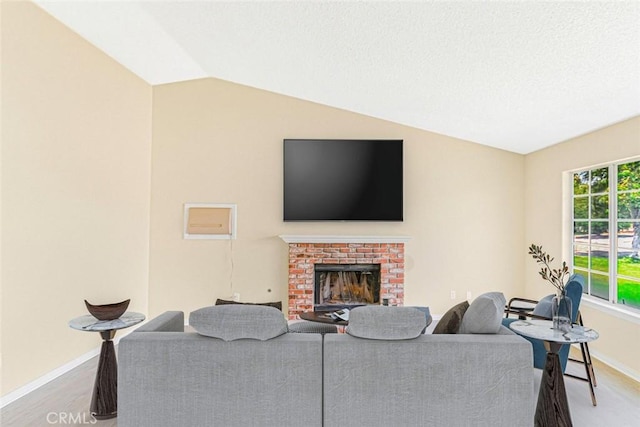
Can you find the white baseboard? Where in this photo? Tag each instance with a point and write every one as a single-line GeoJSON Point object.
{"type": "Point", "coordinates": [39, 382]}
{"type": "Point", "coordinates": [614, 364]}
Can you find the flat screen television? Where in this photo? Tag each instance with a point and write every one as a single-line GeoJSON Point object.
{"type": "Point", "coordinates": [342, 180]}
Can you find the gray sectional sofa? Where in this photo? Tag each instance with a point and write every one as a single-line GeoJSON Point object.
{"type": "Point", "coordinates": [243, 368]}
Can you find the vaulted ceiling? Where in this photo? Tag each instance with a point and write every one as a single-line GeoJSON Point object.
{"type": "Point", "coordinates": [519, 75]}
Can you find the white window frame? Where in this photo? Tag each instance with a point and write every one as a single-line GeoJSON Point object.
{"type": "Point", "coordinates": [611, 306]}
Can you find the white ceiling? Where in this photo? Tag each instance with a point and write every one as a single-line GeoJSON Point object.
{"type": "Point", "coordinates": [518, 75]}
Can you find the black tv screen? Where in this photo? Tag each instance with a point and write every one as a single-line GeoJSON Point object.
{"type": "Point", "coordinates": [342, 180]}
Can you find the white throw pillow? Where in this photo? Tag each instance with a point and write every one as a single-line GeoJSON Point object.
{"type": "Point", "coordinates": [484, 315]}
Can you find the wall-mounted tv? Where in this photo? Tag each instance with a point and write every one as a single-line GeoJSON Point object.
{"type": "Point", "coordinates": [342, 180]}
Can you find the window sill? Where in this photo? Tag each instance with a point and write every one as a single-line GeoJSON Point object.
{"type": "Point", "coordinates": [612, 309]}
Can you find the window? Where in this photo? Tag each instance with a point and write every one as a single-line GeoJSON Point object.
{"type": "Point", "coordinates": [606, 231]}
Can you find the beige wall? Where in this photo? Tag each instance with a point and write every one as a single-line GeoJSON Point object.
{"type": "Point", "coordinates": [219, 142]}
{"type": "Point", "coordinates": [619, 341]}
{"type": "Point", "coordinates": [76, 151]}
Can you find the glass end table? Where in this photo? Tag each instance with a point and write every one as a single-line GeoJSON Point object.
{"type": "Point", "coordinates": [552, 408]}
{"type": "Point", "coordinates": [104, 402]}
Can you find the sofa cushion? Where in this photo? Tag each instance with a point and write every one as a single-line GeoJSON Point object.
{"type": "Point", "coordinates": [386, 323]}
{"type": "Point", "coordinates": [451, 320]}
{"type": "Point", "coordinates": [276, 304]}
{"type": "Point", "coordinates": [234, 322]}
{"type": "Point", "coordinates": [484, 315]}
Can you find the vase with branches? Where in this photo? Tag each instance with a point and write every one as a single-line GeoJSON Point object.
{"type": "Point", "coordinates": [560, 304]}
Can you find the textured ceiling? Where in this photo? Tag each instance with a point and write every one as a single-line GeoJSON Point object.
{"type": "Point", "coordinates": [514, 75]}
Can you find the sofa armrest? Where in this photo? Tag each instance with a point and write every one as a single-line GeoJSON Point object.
{"type": "Point", "coordinates": [169, 321]}
{"type": "Point", "coordinates": [504, 330]}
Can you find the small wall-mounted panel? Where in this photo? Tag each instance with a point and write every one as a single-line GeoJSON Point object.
{"type": "Point", "coordinates": [209, 221]}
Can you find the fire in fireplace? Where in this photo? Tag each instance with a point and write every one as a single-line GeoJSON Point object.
{"type": "Point", "coordinates": [338, 286]}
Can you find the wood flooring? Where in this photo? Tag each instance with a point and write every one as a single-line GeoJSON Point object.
{"type": "Point", "coordinates": [63, 401]}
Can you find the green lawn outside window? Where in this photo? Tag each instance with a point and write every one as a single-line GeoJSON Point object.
{"type": "Point", "coordinates": [606, 228]}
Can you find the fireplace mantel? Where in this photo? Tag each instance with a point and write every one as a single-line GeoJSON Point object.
{"type": "Point", "coordinates": [297, 238]}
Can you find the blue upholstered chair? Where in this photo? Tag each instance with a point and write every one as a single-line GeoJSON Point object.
{"type": "Point", "coordinates": [542, 310]}
{"type": "Point", "coordinates": [427, 314]}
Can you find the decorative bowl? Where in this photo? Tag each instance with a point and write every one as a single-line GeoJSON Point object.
{"type": "Point", "coordinates": [107, 311]}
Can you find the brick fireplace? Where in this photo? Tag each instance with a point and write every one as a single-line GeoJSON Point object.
{"type": "Point", "coordinates": [307, 251]}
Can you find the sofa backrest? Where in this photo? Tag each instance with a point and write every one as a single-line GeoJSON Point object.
{"type": "Point", "coordinates": [431, 380]}
{"type": "Point", "coordinates": [186, 379]}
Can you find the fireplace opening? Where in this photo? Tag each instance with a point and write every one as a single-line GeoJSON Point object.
{"type": "Point", "coordinates": [338, 286]}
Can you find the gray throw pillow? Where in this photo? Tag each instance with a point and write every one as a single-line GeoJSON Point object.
{"type": "Point", "coordinates": [484, 315]}
{"type": "Point", "coordinates": [451, 320]}
{"type": "Point", "coordinates": [386, 323]}
{"type": "Point", "coordinates": [543, 308]}
{"type": "Point", "coordinates": [234, 322]}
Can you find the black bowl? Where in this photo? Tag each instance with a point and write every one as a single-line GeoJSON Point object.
{"type": "Point", "coordinates": [107, 311]}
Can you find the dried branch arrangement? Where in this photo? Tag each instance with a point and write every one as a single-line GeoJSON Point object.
{"type": "Point", "coordinates": [554, 275]}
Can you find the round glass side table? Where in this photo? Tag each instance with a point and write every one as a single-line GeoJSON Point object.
{"type": "Point", "coordinates": [104, 402]}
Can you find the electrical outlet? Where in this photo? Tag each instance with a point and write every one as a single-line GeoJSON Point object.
{"type": "Point", "coordinates": [236, 297]}
{"type": "Point", "coordinates": [453, 294]}
{"type": "Point", "coordinates": [468, 295]}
